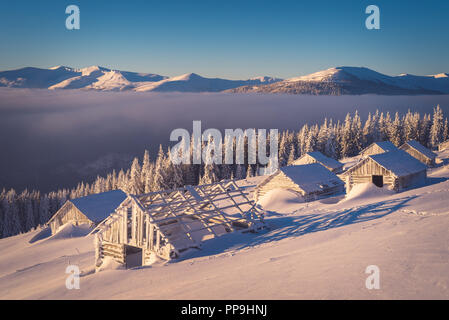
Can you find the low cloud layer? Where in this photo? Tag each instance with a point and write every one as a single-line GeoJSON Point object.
{"type": "Point", "coordinates": [45, 133]}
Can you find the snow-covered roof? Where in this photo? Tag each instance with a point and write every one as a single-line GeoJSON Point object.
{"type": "Point", "coordinates": [398, 162]}
{"type": "Point", "coordinates": [98, 207]}
{"type": "Point", "coordinates": [384, 145]}
{"type": "Point", "coordinates": [325, 161]}
{"type": "Point", "coordinates": [311, 177]}
{"type": "Point", "coordinates": [421, 149]}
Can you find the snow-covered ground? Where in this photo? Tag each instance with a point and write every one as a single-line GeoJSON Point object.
{"type": "Point", "coordinates": [315, 250]}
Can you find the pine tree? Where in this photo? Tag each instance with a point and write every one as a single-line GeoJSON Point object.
{"type": "Point", "coordinates": [145, 172]}
{"type": "Point", "coordinates": [291, 156]}
{"type": "Point", "coordinates": [368, 131]}
{"type": "Point", "coordinates": [395, 132]}
{"type": "Point", "coordinates": [29, 214]}
{"type": "Point", "coordinates": [302, 138]}
{"type": "Point", "coordinates": [445, 131]}
{"type": "Point", "coordinates": [11, 223]}
{"type": "Point", "coordinates": [424, 129]}
{"type": "Point", "coordinates": [135, 183]}
{"type": "Point", "coordinates": [437, 128]}
{"type": "Point", "coordinates": [44, 214]}
{"type": "Point", "coordinates": [357, 134]}
{"type": "Point", "coordinates": [160, 179]}
{"type": "Point", "coordinates": [310, 143]}
{"type": "Point", "coordinates": [347, 138]}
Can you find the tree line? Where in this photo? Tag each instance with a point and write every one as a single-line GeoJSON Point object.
{"type": "Point", "coordinates": [21, 212]}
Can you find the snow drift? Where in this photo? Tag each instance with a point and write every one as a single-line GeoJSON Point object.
{"type": "Point", "coordinates": [367, 190]}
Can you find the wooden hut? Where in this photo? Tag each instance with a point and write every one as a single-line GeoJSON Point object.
{"type": "Point", "coordinates": [378, 147]}
{"type": "Point", "coordinates": [165, 224]}
{"type": "Point", "coordinates": [309, 181]}
{"type": "Point", "coordinates": [396, 169]}
{"type": "Point", "coordinates": [317, 157]}
{"type": "Point", "coordinates": [91, 209]}
{"type": "Point", "coordinates": [443, 146]}
{"type": "Point", "coordinates": [418, 151]}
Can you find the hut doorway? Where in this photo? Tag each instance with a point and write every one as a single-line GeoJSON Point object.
{"type": "Point", "coordinates": [378, 181]}
{"type": "Point", "coordinates": [133, 257]}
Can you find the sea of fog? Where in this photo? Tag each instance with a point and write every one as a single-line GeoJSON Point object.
{"type": "Point", "coordinates": [52, 139]}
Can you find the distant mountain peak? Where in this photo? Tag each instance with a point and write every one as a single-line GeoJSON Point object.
{"type": "Point", "coordinates": [186, 76]}
{"type": "Point", "coordinates": [441, 75]}
{"type": "Point", "coordinates": [355, 80]}
{"type": "Point", "coordinates": [332, 81]}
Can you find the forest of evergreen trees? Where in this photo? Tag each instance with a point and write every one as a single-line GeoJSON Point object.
{"type": "Point", "coordinates": [21, 212]}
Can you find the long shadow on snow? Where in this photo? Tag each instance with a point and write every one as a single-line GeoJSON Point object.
{"type": "Point", "coordinates": [280, 228]}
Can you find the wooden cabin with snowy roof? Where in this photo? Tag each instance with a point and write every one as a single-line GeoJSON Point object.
{"type": "Point", "coordinates": [378, 147]}
{"type": "Point", "coordinates": [309, 181]}
{"type": "Point", "coordinates": [396, 169]}
{"type": "Point", "coordinates": [90, 210]}
{"type": "Point", "coordinates": [317, 157]}
{"type": "Point", "coordinates": [418, 151]}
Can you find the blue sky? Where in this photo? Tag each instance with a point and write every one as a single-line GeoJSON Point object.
{"type": "Point", "coordinates": [232, 39]}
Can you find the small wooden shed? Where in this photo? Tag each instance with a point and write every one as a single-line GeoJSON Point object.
{"type": "Point", "coordinates": [418, 151]}
{"type": "Point", "coordinates": [378, 147]}
{"type": "Point", "coordinates": [309, 181]}
{"type": "Point", "coordinates": [317, 157]}
{"type": "Point", "coordinates": [91, 209]}
{"type": "Point", "coordinates": [396, 169]}
{"type": "Point", "coordinates": [443, 146]}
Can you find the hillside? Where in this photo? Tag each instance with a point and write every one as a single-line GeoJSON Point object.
{"type": "Point", "coordinates": [316, 250]}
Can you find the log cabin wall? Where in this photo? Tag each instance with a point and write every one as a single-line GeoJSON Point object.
{"type": "Point", "coordinates": [68, 213]}
{"type": "Point", "coordinates": [418, 155]}
{"type": "Point", "coordinates": [364, 172]}
{"type": "Point", "coordinates": [412, 180]}
{"type": "Point", "coordinates": [280, 181]}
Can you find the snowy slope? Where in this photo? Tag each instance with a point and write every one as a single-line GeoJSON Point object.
{"type": "Point", "coordinates": [315, 250]}
{"type": "Point", "coordinates": [356, 80]}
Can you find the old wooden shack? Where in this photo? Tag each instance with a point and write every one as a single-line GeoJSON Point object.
{"type": "Point", "coordinates": [396, 169]}
{"type": "Point", "coordinates": [91, 209]}
{"type": "Point", "coordinates": [165, 224]}
{"type": "Point", "coordinates": [378, 147]}
{"type": "Point", "coordinates": [317, 157]}
{"type": "Point", "coordinates": [309, 181]}
{"type": "Point", "coordinates": [418, 151]}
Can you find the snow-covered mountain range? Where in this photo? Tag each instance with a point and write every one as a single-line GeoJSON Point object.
{"type": "Point", "coordinates": [333, 81]}
{"type": "Point", "coordinates": [104, 79]}
{"type": "Point", "coordinates": [355, 80]}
